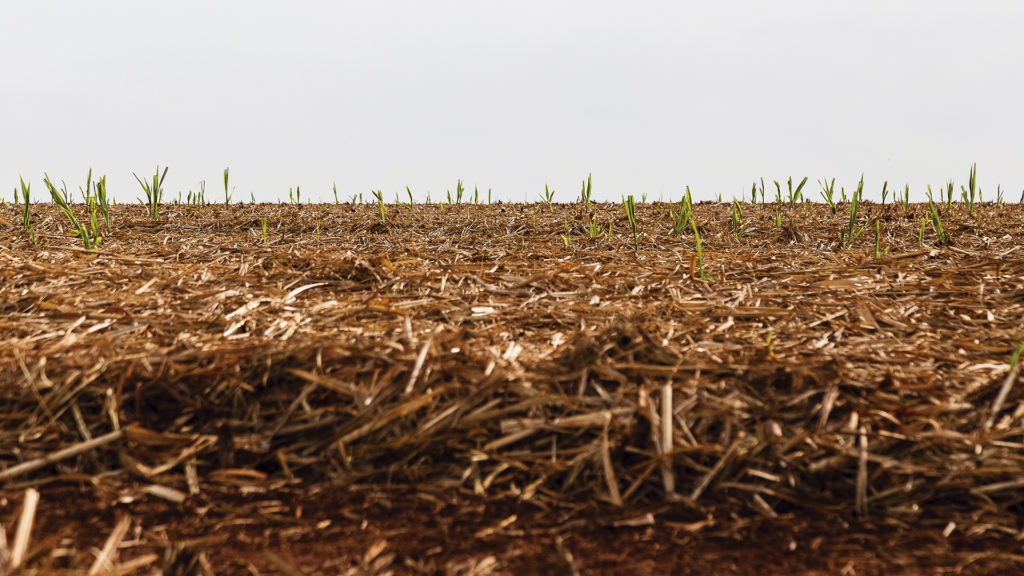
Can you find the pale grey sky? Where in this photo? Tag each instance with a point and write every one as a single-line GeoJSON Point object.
{"type": "Point", "coordinates": [649, 96]}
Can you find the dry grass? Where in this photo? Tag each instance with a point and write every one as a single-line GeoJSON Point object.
{"type": "Point", "coordinates": [470, 350]}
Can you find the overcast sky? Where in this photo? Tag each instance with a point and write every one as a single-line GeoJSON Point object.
{"type": "Point", "coordinates": [649, 96]}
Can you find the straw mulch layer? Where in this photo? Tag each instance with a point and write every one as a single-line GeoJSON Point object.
{"type": "Point", "coordinates": [455, 381]}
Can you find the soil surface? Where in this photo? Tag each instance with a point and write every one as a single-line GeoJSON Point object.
{"type": "Point", "coordinates": [513, 389]}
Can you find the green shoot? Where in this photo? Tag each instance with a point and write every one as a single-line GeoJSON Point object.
{"type": "Point", "coordinates": [252, 197]}
{"type": "Point", "coordinates": [778, 192]}
{"type": "Point", "coordinates": [753, 193]}
{"type": "Point", "coordinates": [968, 200]}
{"type": "Point", "coordinates": [379, 195]}
{"type": "Point", "coordinates": [488, 196]}
{"type": "Point", "coordinates": [737, 219]}
{"type": "Point", "coordinates": [198, 199]}
{"type": "Point", "coordinates": [87, 192]}
{"type": "Point", "coordinates": [949, 196]}
{"type": "Point", "coordinates": [458, 192]}
{"type": "Point", "coordinates": [101, 198]}
{"type": "Point", "coordinates": [852, 231]}
{"type": "Point", "coordinates": [334, 186]}
{"type": "Point", "coordinates": [762, 190]}
{"type": "Point", "coordinates": [827, 191]}
{"type": "Point", "coordinates": [154, 192]}
{"type": "Point", "coordinates": [682, 218]}
{"type": "Point", "coordinates": [64, 192]}
{"type": "Point", "coordinates": [90, 237]}
{"type": "Point", "coordinates": [937, 223]}
{"type": "Point", "coordinates": [885, 191]}
{"type": "Point", "coordinates": [317, 230]}
{"type": "Point", "coordinates": [94, 224]}
{"type": "Point", "coordinates": [26, 215]}
{"type": "Point", "coordinates": [263, 224]}
{"type": "Point", "coordinates": [476, 195]}
{"type": "Point", "coordinates": [906, 198]}
{"type": "Point", "coordinates": [227, 195]}
{"type": "Point", "coordinates": [631, 217]}
{"type": "Point", "coordinates": [585, 193]}
{"type": "Point", "coordinates": [879, 249]}
{"type": "Point", "coordinates": [547, 197]}
{"type": "Point", "coordinates": [1015, 358]}
{"type": "Point", "coordinates": [999, 194]}
{"type": "Point", "coordinates": [795, 195]}
{"type": "Point", "coordinates": [295, 198]}
{"type": "Point", "coordinates": [408, 205]}
{"type": "Point", "coordinates": [700, 252]}
{"type": "Point", "coordinates": [920, 233]}
{"type": "Point", "coordinates": [968, 194]}
{"type": "Point", "coordinates": [595, 230]}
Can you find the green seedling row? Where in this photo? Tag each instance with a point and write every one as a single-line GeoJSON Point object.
{"type": "Point", "coordinates": [98, 203]}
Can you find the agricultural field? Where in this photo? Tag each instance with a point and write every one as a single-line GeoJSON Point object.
{"type": "Point", "coordinates": [767, 387]}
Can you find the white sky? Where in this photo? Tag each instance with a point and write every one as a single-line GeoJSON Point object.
{"type": "Point", "coordinates": [649, 96]}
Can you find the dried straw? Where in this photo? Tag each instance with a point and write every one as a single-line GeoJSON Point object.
{"type": "Point", "coordinates": [469, 348]}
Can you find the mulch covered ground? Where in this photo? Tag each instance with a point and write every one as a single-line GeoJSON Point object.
{"type": "Point", "coordinates": [466, 391]}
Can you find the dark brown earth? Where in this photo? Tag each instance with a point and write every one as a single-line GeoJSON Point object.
{"type": "Point", "coordinates": [366, 530]}
{"type": "Point", "coordinates": [466, 391]}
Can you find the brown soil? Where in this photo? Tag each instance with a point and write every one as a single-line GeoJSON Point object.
{"type": "Point", "coordinates": [458, 391]}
